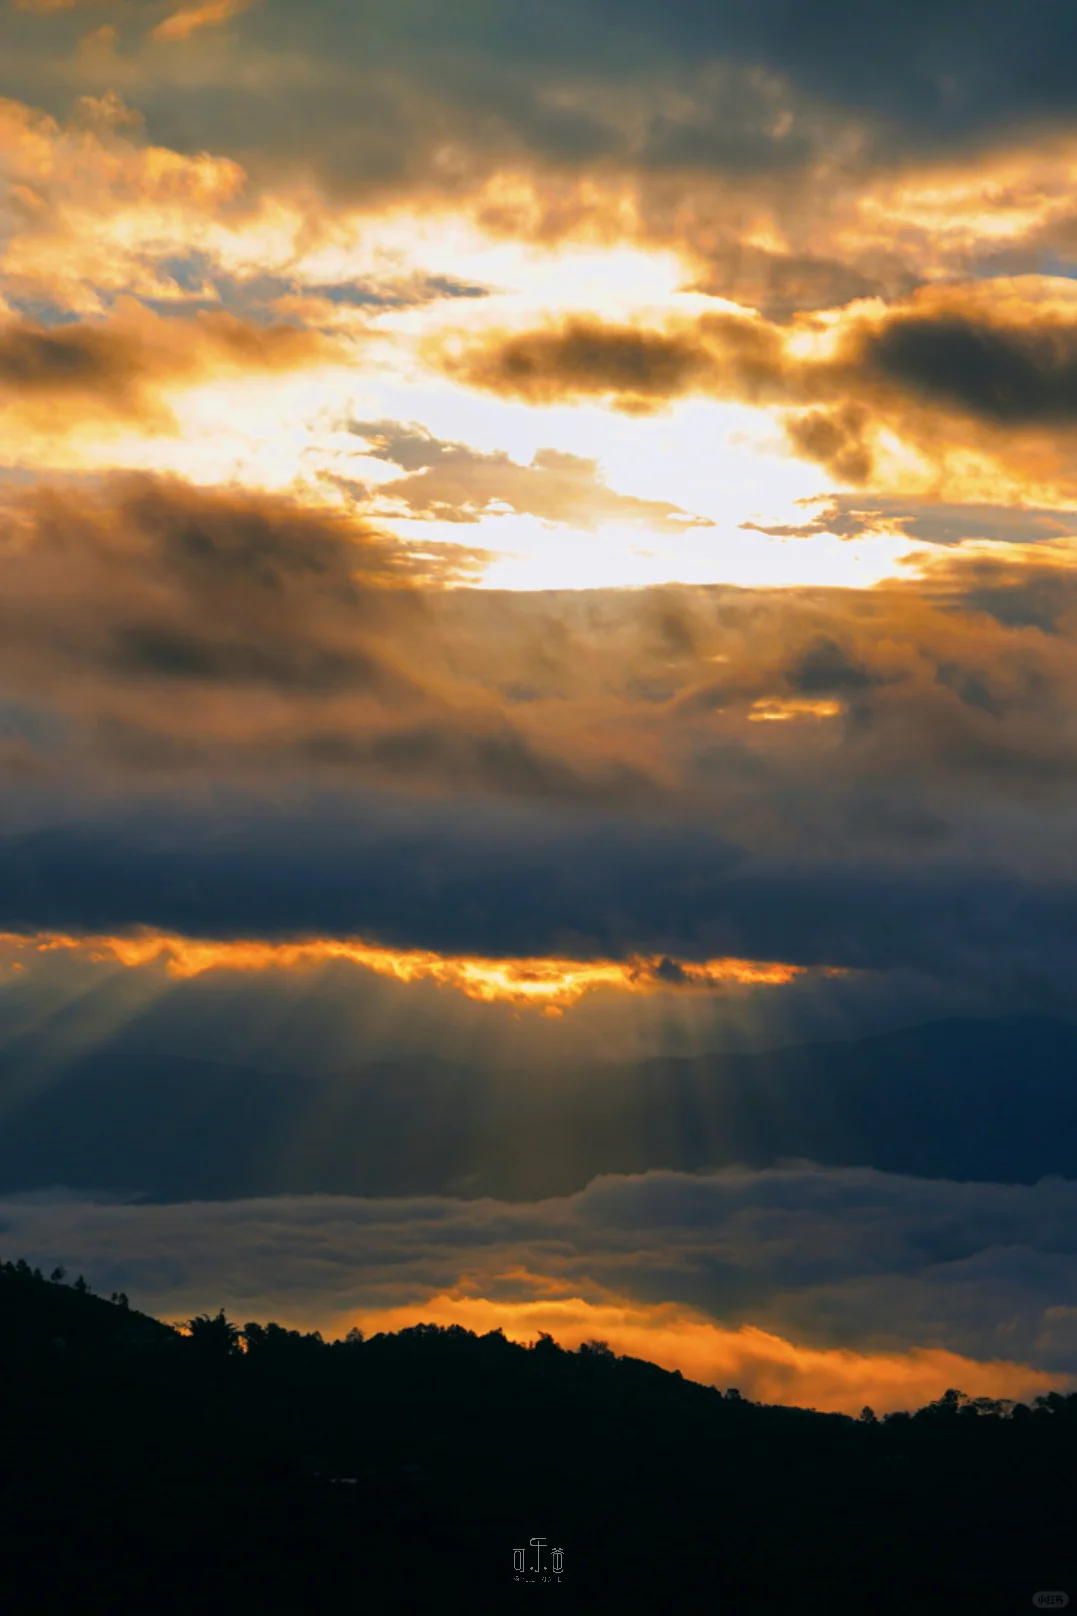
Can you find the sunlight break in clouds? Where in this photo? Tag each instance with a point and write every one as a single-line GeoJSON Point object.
{"type": "Point", "coordinates": [570, 509]}
{"type": "Point", "coordinates": [552, 985]}
{"type": "Point", "coordinates": [106, 214]}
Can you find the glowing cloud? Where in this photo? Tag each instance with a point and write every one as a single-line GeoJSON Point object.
{"type": "Point", "coordinates": [768, 1368]}
{"type": "Point", "coordinates": [209, 15]}
{"type": "Point", "coordinates": [551, 985]}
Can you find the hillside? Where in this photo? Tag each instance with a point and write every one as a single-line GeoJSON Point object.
{"type": "Point", "coordinates": [173, 1472]}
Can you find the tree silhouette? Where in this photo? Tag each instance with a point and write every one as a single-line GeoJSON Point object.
{"type": "Point", "coordinates": [289, 1473]}
{"type": "Point", "coordinates": [213, 1337]}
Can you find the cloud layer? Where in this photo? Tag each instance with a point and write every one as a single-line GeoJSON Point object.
{"type": "Point", "coordinates": [161, 640]}
{"type": "Point", "coordinates": [895, 1273]}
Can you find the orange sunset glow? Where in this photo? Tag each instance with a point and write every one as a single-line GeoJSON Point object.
{"type": "Point", "coordinates": [538, 734]}
{"type": "Point", "coordinates": [547, 984]}
{"type": "Point", "coordinates": [761, 1365]}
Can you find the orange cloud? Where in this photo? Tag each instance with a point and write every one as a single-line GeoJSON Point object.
{"type": "Point", "coordinates": [91, 206]}
{"type": "Point", "coordinates": [70, 376]}
{"type": "Point", "coordinates": [293, 640]}
{"type": "Point", "coordinates": [96, 160]}
{"type": "Point", "coordinates": [552, 985]}
{"type": "Point", "coordinates": [765, 1367]}
{"type": "Point", "coordinates": [209, 15]}
{"type": "Point", "coordinates": [963, 392]}
{"type": "Point", "coordinates": [783, 712]}
{"type": "Point", "coordinates": [52, 5]}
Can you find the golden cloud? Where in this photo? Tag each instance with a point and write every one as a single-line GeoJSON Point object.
{"type": "Point", "coordinates": [550, 985]}
{"type": "Point", "coordinates": [91, 205]}
{"type": "Point", "coordinates": [180, 629]}
{"type": "Point", "coordinates": [973, 382]}
{"type": "Point", "coordinates": [211, 14]}
{"type": "Point", "coordinates": [842, 231]}
{"type": "Point", "coordinates": [765, 1367]}
{"type": "Point", "coordinates": [455, 483]}
{"type": "Point", "coordinates": [52, 5]}
{"type": "Point", "coordinates": [78, 377]}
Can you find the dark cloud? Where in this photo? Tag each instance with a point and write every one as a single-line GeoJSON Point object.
{"type": "Point", "coordinates": [928, 74]}
{"type": "Point", "coordinates": [151, 580]}
{"type": "Point", "coordinates": [584, 356]}
{"type": "Point", "coordinates": [824, 668]}
{"type": "Point", "coordinates": [1005, 375]}
{"type": "Point", "coordinates": [919, 78]}
{"type": "Point", "coordinates": [969, 687]}
{"type": "Point", "coordinates": [837, 439]}
{"type": "Point", "coordinates": [855, 1258]}
{"type": "Point", "coordinates": [181, 628]}
{"type": "Point", "coordinates": [634, 367]}
{"type": "Point", "coordinates": [1037, 599]}
{"type": "Point", "coordinates": [780, 285]}
{"type": "Point", "coordinates": [164, 647]}
{"type": "Point", "coordinates": [468, 879]}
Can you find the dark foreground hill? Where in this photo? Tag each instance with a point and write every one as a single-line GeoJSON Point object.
{"type": "Point", "coordinates": [146, 1470]}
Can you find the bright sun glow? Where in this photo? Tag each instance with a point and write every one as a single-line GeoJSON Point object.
{"type": "Point", "coordinates": [721, 464]}
{"type": "Point", "coordinates": [551, 985]}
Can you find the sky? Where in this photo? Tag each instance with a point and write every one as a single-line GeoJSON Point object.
{"type": "Point", "coordinates": [538, 570]}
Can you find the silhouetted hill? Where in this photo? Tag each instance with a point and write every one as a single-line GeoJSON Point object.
{"type": "Point", "coordinates": [991, 1100]}
{"type": "Point", "coordinates": [144, 1469]}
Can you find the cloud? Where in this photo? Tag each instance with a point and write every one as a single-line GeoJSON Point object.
{"type": "Point", "coordinates": [1006, 371]}
{"type": "Point", "coordinates": [763, 1366]}
{"type": "Point", "coordinates": [180, 25]}
{"type": "Point", "coordinates": [152, 579]}
{"type": "Point", "coordinates": [76, 376]}
{"type": "Point", "coordinates": [90, 205]}
{"type": "Point", "coordinates": [745, 144]}
{"type": "Point", "coordinates": [286, 636]}
{"type": "Point", "coordinates": [803, 1285]}
{"type": "Point", "coordinates": [978, 375]}
{"type": "Point", "coordinates": [545, 984]}
{"type": "Point", "coordinates": [211, 14]}
{"type": "Point", "coordinates": [824, 668]}
{"type": "Point", "coordinates": [52, 5]}
{"type": "Point", "coordinates": [177, 664]}
{"type": "Point", "coordinates": [583, 357]}
{"type": "Point", "coordinates": [452, 482]}
{"type": "Point", "coordinates": [780, 284]}
{"type": "Point", "coordinates": [935, 522]}
{"type": "Point", "coordinates": [465, 878]}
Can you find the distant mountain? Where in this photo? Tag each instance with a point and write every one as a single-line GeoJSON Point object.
{"type": "Point", "coordinates": [435, 1470]}
{"type": "Point", "coordinates": [962, 1099]}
